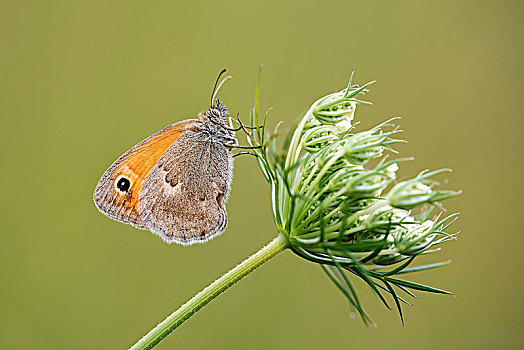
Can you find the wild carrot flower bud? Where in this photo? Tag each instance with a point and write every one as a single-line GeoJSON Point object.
{"type": "Point", "coordinates": [364, 146]}
{"type": "Point", "coordinates": [331, 200]}
{"type": "Point", "coordinates": [318, 137]}
{"type": "Point", "coordinates": [339, 106]}
{"type": "Point", "coordinates": [418, 191]}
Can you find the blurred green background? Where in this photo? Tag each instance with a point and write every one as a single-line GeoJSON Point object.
{"type": "Point", "coordinates": [82, 81]}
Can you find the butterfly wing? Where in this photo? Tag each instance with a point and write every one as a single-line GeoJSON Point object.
{"type": "Point", "coordinates": [183, 198]}
{"type": "Point", "coordinates": [117, 194]}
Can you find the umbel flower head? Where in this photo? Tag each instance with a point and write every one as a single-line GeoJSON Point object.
{"type": "Point", "coordinates": [337, 200]}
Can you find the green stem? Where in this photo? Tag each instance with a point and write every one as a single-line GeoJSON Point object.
{"type": "Point", "coordinates": [211, 292]}
{"type": "Point", "coordinates": [294, 150]}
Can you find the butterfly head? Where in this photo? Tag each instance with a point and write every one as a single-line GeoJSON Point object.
{"type": "Point", "coordinates": [217, 113]}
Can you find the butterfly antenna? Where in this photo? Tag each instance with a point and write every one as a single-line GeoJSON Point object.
{"type": "Point", "coordinates": [217, 85]}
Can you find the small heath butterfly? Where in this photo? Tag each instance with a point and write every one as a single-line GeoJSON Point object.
{"type": "Point", "coordinates": [175, 183]}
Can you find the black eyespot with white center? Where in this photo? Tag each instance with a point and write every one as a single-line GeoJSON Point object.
{"type": "Point", "coordinates": [123, 184]}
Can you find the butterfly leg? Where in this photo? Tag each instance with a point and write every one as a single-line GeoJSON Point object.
{"type": "Point", "coordinates": [244, 126]}
{"type": "Point", "coordinates": [241, 147]}
{"type": "Point", "coordinates": [241, 153]}
{"type": "Point", "coordinates": [222, 125]}
{"type": "Point", "coordinates": [231, 120]}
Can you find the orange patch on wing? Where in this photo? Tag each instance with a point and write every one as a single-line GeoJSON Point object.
{"type": "Point", "coordinates": [138, 162]}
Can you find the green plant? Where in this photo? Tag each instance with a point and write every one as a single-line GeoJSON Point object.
{"type": "Point", "coordinates": [336, 202]}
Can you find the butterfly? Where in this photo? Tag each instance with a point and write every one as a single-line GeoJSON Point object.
{"type": "Point", "coordinates": [176, 182]}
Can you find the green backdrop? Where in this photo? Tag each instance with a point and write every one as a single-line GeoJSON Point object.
{"type": "Point", "coordinates": [82, 81]}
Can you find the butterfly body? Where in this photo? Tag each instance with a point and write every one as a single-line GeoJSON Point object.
{"type": "Point", "coordinates": [176, 182]}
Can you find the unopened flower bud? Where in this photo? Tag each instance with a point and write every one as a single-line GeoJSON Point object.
{"type": "Point", "coordinates": [418, 191]}
{"type": "Point", "coordinates": [319, 137]}
{"type": "Point", "coordinates": [416, 239]}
